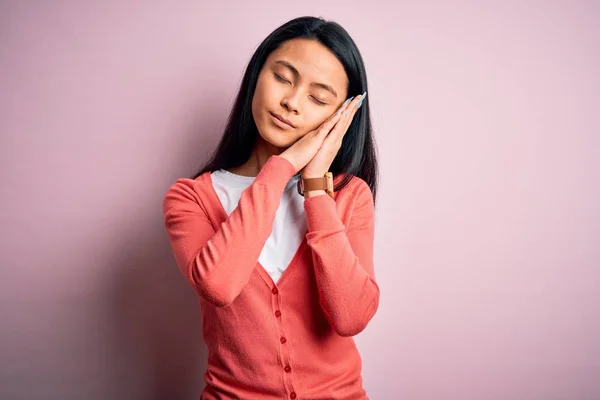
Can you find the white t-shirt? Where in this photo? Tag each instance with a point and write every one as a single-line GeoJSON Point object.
{"type": "Point", "coordinates": [289, 226]}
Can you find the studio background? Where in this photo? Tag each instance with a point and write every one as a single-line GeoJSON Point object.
{"type": "Point", "coordinates": [487, 248]}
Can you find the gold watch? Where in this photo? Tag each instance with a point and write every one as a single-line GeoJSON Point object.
{"type": "Point", "coordinates": [324, 183]}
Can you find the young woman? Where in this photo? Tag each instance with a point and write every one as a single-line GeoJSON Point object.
{"type": "Point", "coordinates": [275, 234]}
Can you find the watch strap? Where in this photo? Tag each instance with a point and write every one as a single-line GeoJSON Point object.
{"type": "Point", "coordinates": [324, 183]}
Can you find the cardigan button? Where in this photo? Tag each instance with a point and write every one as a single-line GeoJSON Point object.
{"type": "Point", "coordinates": [293, 395]}
{"type": "Point", "coordinates": [278, 313]}
{"type": "Point", "coordinates": [283, 340]}
{"type": "Point", "coordinates": [287, 368]}
{"type": "Point", "coordinates": [275, 291]}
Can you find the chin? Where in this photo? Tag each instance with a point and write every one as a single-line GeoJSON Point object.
{"type": "Point", "coordinates": [277, 138]}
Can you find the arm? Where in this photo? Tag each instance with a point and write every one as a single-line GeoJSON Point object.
{"type": "Point", "coordinates": [343, 261]}
{"type": "Point", "coordinates": [218, 264]}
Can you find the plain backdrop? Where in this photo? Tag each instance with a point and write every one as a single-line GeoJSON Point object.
{"type": "Point", "coordinates": [486, 116]}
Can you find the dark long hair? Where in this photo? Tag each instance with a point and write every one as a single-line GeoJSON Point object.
{"type": "Point", "coordinates": [357, 154]}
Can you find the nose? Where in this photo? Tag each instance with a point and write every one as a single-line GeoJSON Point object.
{"type": "Point", "coordinates": [290, 102]}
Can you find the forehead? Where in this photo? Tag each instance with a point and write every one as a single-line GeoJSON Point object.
{"type": "Point", "coordinates": [314, 61]}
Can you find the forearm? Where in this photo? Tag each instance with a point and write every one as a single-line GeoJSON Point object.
{"type": "Point", "coordinates": [343, 264]}
{"type": "Point", "coordinates": [219, 263]}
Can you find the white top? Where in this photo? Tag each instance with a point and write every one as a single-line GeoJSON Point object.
{"type": "Point", "coordinates": [289, 226]}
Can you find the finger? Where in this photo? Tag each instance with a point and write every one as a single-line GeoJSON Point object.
{"type": "Point", "coordinates": [354, 103]}
{"type": "Point", "coordinates": [344, 105]}
{"type": "Point", "coordinates": [352, 110]}
{"type": "Point", "coordinates": [349, 118]}
{"type": "Point", "coordinates": [328, 125]}
{"type": "Point", "coordinates": [332, 121]}
{"type": "Point", "coordinates": [337, 116]}
{"type": "Point", "coordinates": [338, 132]}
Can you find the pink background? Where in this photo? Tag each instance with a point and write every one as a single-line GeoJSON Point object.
{"type": "Point", "coordinates": [488, 222]}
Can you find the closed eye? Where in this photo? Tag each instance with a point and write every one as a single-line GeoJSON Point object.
{"type": "Point", "coordinates": [279, 78]}
{"type": "Point", "coordinates": [319, 101]}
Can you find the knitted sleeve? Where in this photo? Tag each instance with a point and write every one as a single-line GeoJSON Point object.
{"type": "Point", "coordinates": [343, 260]}
{"type": "Point", "coordinates": [218, 262]}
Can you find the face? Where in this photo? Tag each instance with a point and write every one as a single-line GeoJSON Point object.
{"type": "Point", "coordinates": [302, 82]}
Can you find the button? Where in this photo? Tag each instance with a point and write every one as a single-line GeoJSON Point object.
{"type": "Point", "coordinates": [278, 313]}
{"type": "Point", "coordinates": [287, 368]}
{"type": "Point", "coordinates": [293, 395]}
{"type": "Point", "coordinates": [275, 291]}
{"type": "Point", "coordinates": [283, 340]}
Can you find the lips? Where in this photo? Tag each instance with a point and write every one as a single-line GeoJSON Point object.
{"type": "Point", "coordinates": [283, 120]}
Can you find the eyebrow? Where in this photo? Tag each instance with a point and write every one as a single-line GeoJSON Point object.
{"type": "Point", "coordinates": [295, 72]}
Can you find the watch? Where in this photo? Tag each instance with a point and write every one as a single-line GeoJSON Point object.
{"type": "Point", "coordinates": [324, 183]}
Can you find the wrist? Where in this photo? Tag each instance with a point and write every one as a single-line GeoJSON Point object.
{"type": "Point", "coordinates": [316, 186]}
{"type": "Point", "coordinates": [313, 193]}
{"type": "Point", "coordinates": [312, 174]}
{"type": "Point", "coordinates": [282, 155]}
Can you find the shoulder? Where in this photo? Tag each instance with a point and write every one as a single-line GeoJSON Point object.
{"type": "Point", "coordinates": [189, 185]}
{"type": "Point", "coordinates": [185, 191]}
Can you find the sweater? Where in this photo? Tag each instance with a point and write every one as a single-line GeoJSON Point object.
{"type": "Point", "coordinates": [289, 225]}
{"type": "Point", "coordinates": [286, 340]}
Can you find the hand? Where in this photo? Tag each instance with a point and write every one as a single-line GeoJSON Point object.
{"type": "Point", "coordinates": [321, 162]}
{"type": "Point", "coordinates": [305, 149]}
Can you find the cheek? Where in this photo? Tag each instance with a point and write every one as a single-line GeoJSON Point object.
{"type": "Point", "coordinates": [315, 120]}
{"type": "Point", "coordinates": [257, 101]}
{"type": "Point", "coordinates": [260, 99]}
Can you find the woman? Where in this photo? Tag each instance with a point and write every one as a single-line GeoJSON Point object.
{"type": "Point", "coordinates": [284, 272]}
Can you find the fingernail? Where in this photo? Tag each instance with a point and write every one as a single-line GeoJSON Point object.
{"type": "Point", "coordinates": [343, 105]}
{"type": "Point", "coordinates": [362, 97]}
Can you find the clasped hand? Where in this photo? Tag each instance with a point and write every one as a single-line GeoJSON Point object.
{"type": "Point", "coordinates": [314, 153]}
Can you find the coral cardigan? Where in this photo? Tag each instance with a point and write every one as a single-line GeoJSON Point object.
{"type": "Point", "coordinates": [289, 225]}
{"type": "Point", "coordinates": [293, 339]}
